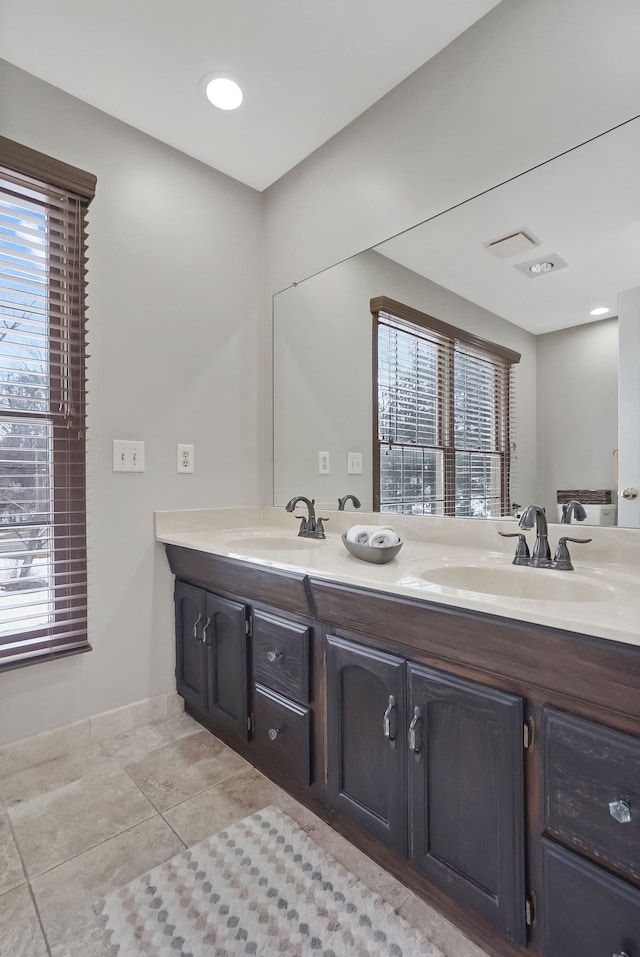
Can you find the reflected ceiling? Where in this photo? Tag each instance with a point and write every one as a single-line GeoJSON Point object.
{"type": "Point", "coordinates": [583, 208]}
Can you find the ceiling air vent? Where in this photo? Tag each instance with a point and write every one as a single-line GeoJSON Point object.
{"type": "Point", "coordinates": [514, 244]}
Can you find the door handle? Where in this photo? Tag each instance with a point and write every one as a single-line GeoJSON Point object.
{"type": "Point", "coordinates": [204, 630]}
{"type": "Point", "coordinates": [389, 721]}
{"type": "Point", "coordinates": [415, 731]}
{"type": "Point", "coordinates": [195, 626]}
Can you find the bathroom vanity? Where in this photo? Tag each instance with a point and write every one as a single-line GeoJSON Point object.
{"type": "Point", "coordinates": [488, 759]}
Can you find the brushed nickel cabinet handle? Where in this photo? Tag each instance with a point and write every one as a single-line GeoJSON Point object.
{"type": "Point", "coordinates": [195, 626]}
{"type": "Point", "coordinates": [204, 630]}
{"type": "Point", "coordinates": [273, 655]}
{"type": "Point", "coordinates": [389, 723]}
{"type": "Point", "coordinates": [415, 738]}
{"type": "Point", "coordinates": [273, 733]}
{"type": "Point", "coordinates": [622, 953]}
{"type": "Point", "coordinates": [620, 811]}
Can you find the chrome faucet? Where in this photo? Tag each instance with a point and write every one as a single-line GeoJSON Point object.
{"type": "Point", "coordinates": [345, 498]}
{"type": "Point", "coordinates": [572, 508]}
{"type": "Point", "coordinates": [541, 555]}
{"type": "Point", "coordinates": [310, 526]}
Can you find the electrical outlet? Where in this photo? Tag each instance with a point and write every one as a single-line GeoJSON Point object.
{"type": "Point", "coordinates": [324, 466]}
{"type": "Point", "coordinates": [184, 460]}
{"type": "Point", "coordinates": [354, 463]}
{"type": "Point", "coordinates": [128, 456]}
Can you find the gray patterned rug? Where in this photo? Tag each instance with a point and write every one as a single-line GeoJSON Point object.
{"type": "Point", "coordinates": [261, 887]}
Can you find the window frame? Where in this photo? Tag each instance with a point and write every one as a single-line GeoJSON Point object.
{"type": "Point", "coordinates": [451, 339]}
{"type": "Point", "coordinates": [70, 191]}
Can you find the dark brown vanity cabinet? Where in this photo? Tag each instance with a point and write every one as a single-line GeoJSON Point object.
{"type": "Point", "coordinates": [591, 804]}
{"type": "Point", "coordinates": [492, 765]}
{"type": "Point", "coordinates": [282, 718]}
{"type": "Point", "coordinates": [466, 800]}
{"type": "Point", "coordinates": [366, 734]}
{"type": "Point", "coordinates": [431, 765]}
{"type": "Point", "coordinates": [211, 657]}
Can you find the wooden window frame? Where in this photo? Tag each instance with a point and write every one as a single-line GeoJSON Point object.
{"type": "Point", "coordinates": [66, 632]}
{"type": "Point", "coordinates": [451, 335]}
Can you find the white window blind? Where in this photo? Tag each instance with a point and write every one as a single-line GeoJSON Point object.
{"type": "Point", "coordinates": [443, 416]}
{"type": "Point", "coordinates": [43, 606]}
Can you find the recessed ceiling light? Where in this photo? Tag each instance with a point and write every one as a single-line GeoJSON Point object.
{"type": "Point", "coordinates": [600, 311]}
{"type": "Point", "coordinates": [541, 267]}
{"type": "Point", "coordinates": [223, 93]}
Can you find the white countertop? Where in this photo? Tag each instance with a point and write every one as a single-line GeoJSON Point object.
{"type": "Point", "coordinates": [606, 571]}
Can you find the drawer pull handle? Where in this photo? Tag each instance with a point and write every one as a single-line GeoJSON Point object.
{"type": "Point", "coordinates": [389, 723]}
{"type": "Point", "coordinates": [415, 737]}
{"type": "Point", "coordinates": [273, 655]}
{"type": "Point", "coordinates": [622, 953]}
{"type": "Point", "coordinates": [620, 811]}
{"type": "Point", "coordinates": [273, 733]}
{"type": "Point", "coordinates": [195, 626]}
{"type": "Point", "coordinates": [204, 630]}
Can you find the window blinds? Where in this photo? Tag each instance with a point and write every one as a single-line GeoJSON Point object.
{"type": "Point", "coordinates": [443, 416]}
{"type": "Point", "coordinates": [43, 606]}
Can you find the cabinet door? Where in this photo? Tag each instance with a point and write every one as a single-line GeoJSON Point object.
{"type": "Point", "coordinates": [587, 911]}
{"type": "Point", "coordinates": [366, 751]}
{"type": "Point", "coordinates": [191, 652]}
{"type": "Point", "coordinates": [226, 648]}
{"type": "Point", "coordinates": [466, 794]}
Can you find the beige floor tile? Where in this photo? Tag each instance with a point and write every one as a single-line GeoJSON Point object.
{"type": "Point", "coordinates": [50, 775]}
{"type": "Point", "coordinates": [21, 934]}
{"type": "Point", "coordinates": [218, 807]}
{"type": "Point", "coordinates": [175, 704]}
{"type": "Point", "coordinates": [110, 723]}
{"type": "Point", "coordinates": [60, 822]}
{"type": "Point", "coordinates": [171, 774]}
{"type": "Point", "coordinates": [11, 872]}
{"type": "Point", "coordinates": [437, 929]}
{"type": "Point", "coordinates": [65, 895]}
{"type": "Point", "coordinates": [33, 750]}
{"type": "Point", "coordinates": [137, 744]}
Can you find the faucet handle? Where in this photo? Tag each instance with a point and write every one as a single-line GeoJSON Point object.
{"type": "Point", "coordinates": [522, 555]}
{"type": "Point", "coordinates": [562, 559]}
{"type": "Point", "coordinates": [319, 529]}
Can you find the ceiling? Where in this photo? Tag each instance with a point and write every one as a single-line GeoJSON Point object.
{"type": "Point", "coordinates": [307, 68]}
{"type": "Point", "coordinates": [583, 207]}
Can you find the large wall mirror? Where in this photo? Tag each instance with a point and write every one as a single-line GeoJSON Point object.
{"type": "Point", "coordinates": [580, 212]}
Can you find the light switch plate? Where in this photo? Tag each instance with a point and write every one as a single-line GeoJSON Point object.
{"type": "Point", "coordinates": [128, 456]}
{"type": "Point", "coordinates": [354, 463]}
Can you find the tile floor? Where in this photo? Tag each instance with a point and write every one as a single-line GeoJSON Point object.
{"type": "Point", "coordinates": [75, 827]}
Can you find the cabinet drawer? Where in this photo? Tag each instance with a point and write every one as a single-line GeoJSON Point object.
{"type": "Point", "coordinates": [585, 910]}
{"type": "Point", "coordinates": [281, 655]}
{"type": "Point", "coordinates": [588, 771]}
{"type": "Point", "coordinates": [282, 734]}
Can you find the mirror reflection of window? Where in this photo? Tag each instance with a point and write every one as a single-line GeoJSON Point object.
{"type": "Point", "coordinates": [443, 417]}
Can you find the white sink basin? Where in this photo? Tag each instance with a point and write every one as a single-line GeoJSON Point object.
{"type": "Point", "coordinates": [515, 581]}
{"type": "Point", "coordinates": [266, 541]}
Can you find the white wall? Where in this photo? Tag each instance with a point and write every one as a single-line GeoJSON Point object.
{"type": "Point", "coordinates": [577, 409]}
{"type": "Point", "coordinates": [323, 388]}
{"type": "Point", "coordinates": [175, 327]}
{"type": "Point", "coordinates": [532, 78]}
